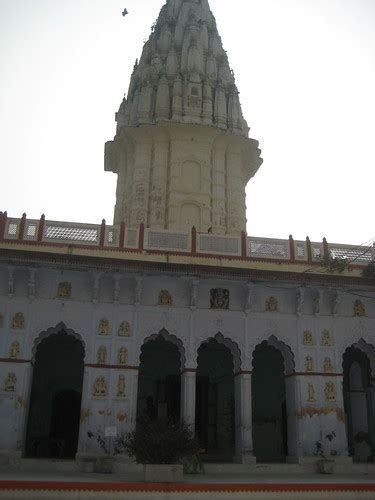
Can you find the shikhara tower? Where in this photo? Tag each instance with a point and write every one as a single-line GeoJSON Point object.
{"type": "Point", "coordinates": [181, 150]}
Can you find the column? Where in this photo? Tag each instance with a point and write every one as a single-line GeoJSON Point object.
{"type": "Point", "coordinates": [243, 418]}
{"type": "Point", "coordinates": [132, 417]}
{"type": "Point", "coordinates": [188, 388]}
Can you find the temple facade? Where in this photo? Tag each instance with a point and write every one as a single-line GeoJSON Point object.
{"type": "Point", "coordinates": [265, 347]}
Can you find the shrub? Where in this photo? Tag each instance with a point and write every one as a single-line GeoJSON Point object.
{"type": "Point", "coordinates": [159, 442]}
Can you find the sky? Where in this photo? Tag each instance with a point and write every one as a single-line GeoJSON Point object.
{"type": "Point", "coordinates": [305, 70]}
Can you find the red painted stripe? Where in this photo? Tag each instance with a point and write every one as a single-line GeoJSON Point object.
{"type": "Point", "coordinates": [175, 487]}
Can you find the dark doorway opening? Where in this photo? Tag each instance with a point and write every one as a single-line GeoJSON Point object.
{"type": "Point", "coordinates": [159, 382]}
{"type": "Point", "coordinates": [270, 437]}
{"type": "Point", "coordinates": [358, 405]}
{"type": "Point", "coordinates": [214, 414]}
{"type": "Point", "coordinates": [55, 403]}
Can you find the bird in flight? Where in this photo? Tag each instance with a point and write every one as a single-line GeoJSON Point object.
{"type": "Point", "coordinates": [124, 12]}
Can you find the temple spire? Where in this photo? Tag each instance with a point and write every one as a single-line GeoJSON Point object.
{"type": "Point", "coordinates": [184, 43]}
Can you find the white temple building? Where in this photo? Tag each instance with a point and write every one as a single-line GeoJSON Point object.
{"type": "Point", "coordinates": [263, 346]}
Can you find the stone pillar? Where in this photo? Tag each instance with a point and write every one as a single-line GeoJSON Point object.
{"type": "Point", "coordinates": [243, 418]}
{"type": "Point", "coordinates": [292, 391]}
{"type": "Point", "coordinates": [133, 398]}
{"type": "Point", "coordinates": [371, 419]}
{"type": "Point", "coordinates": [188, 391]}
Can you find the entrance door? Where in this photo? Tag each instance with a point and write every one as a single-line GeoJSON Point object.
{"type": "Point", "coordinates": [54, 412]}
{"type": "Point", "coordinates": [159, 382]}
{"type": "Point", "coordinates": [358, 404]}
{"type": "Point", "coordinates": [214, 414]}
{"type": "Point", "coordinates": [269, 405]}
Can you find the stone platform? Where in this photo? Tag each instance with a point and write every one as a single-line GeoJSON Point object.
{"type": "Point", "coordinates": [269, 482]}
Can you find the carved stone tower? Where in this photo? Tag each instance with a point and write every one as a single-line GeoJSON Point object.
{"type": "Point", "coordinates": [181, 150]}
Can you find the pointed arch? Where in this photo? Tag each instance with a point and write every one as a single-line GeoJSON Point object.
{"type": "Point", "coordinates": [163, 333]}
{"type": "Point", "coordinates": [284, 349]}
{"type": "Point", "coordinates": [231, 345]}
{"type": "Point", "coordinates": [368, 350]}
{"type": "Point", "coordinates": [56, 330]}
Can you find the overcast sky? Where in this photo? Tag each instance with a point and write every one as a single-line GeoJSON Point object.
{"type": "Point", "coordinates": [305, 70]}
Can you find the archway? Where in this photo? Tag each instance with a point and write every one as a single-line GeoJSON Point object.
{"type": "Point", "coordinates": [215, 410]}
{"type": "Point", "coordinates": [270, 435]}
{"type": "Point", "coordinates": [55, 402]}
{"type": "Point", "coordinates": [359, 404]}
{"type": "Point", "coordinates": [159, 382]}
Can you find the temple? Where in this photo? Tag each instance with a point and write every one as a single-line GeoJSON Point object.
{"type": "Point", "coordinates": [263, 346]}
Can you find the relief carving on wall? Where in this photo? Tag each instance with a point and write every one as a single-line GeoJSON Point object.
{"type": "Point", "coordinates": [327, 365]}
{"type": "Point", "coordinates": [326, 339]}
{"type": "Point", "coordinates": [121, 386]}
{"type": "Point", "coordinates": [18, 321]}
{"type": "Point", "coordinates": [308, 338]}
{"type": "Point", "coordinates": [121, 416]}
{"type": "Point", "coordinates": [219, 298]}
{"type": "Point", "coordinates": [311, 393]}
{"type": "Point", "coordinates": [10, 382]}
{"type": "Point", "coordinates": [64, 290]}
{"type": "Point", "coordinates": [309, 364]}
{"type": "Point", "coordinates": [122, 356]}
{"type": "Point", "coordinates": [330, 391]}
{"type": "Point", "coordinates": [14, 350]}
{"type": "Point", "coordinates": [124, 329]}
{"type": "Point", "coordinates": [100, 387]}
{"type": "Point", "coordinates": [103, 328]}
{"type": "Point", "coordinates": [165, 298]}
{"type": "Point", "coordinates": [272, 304]}
{"type": "Point", "coordinates": [359, 308]}
{"type": "Point", "coordinates": [101, 356]}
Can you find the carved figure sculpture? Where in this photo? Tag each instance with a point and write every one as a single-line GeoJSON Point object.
{"type": "Point", "coordinates": [64, 290]}
{"type": "Point", "coordinates": [103, 327]}
{"type": "Point", "coordinates": [300, 299]}
{"type": "Point", "coordinates": [121, 386]}
{"type": "Point", "coordinates": [100, 387]}
{"type": "Point", "coordinates": [326, 338]}
{"type": "Point", "coordinates": [308, 338]}
{"type": "Point", "coordinates": [10, 382]}
{"type": "Point", "coordinates": [327, 365]}
{"type": "Point", "coordinates": [330, 391]}
{"type": "Point", "coordinates": [165, 298]}
{"type": "Point", "coordinates": [309, 364]}
{"type": "Point", "coordinates": [101, 356]}
{"type": "Point", "coordinates": [124, 329]}
{"type": "Point", "coordinates": [359, 308]}
{"type": "Point", "coordinates": [219, 298]}
{"type": "Point", "coordinates": [18, 321]}
{"type": "Point", "coordinates": [311, 393]}
{"type": "Point", "coordinates": [14, 350]}
{"type": "Point", "coordinates": [122, 357]}
{"type": "Point", "coordinates": [271, 304]}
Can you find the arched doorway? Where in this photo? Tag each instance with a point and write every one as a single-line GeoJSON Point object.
{"type": "Point", "coordinates": [55, 402]}
{"type": "Point", "coordinates": [359, 404]}
{"type": "Point", "coordinates": [159, 382]}
{"type": "Point", "coordinates": [215, 411]}
{"type": "Point", "coordinates": [269, 404]}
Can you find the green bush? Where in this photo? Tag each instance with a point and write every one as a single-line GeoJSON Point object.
{"type": "Point", "coordinates": [159, 442]}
